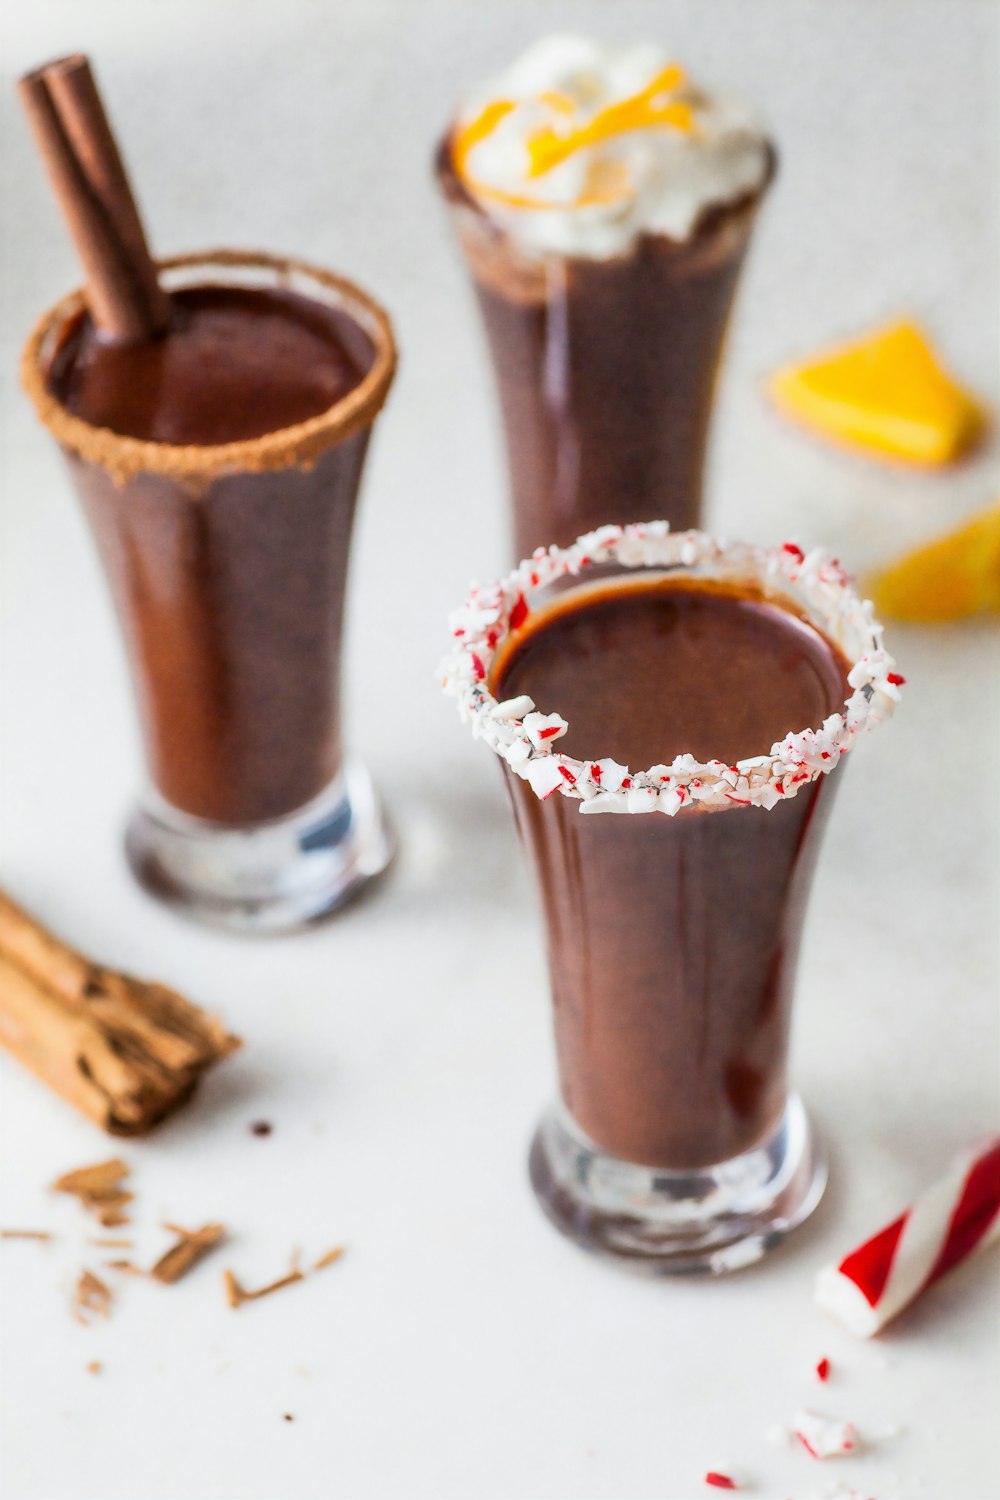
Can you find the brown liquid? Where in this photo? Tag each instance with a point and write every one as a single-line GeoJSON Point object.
{"type": "Point", "coordinates": [606, 369]}
{"type": "Point", "coordinates": [236, 363]}
{"type": "Point", "coordinates": [672, 942]}
{"type": "Point", "coordinates": [230, 593]}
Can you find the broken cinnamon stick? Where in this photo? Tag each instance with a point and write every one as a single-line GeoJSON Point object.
{"type": "Point", "coordinates": [124, 1051]}
{"type": "Point", "coordinates": [88, 177]}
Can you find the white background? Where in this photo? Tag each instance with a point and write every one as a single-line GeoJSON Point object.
{"type": "Point", "coordinates": [402, 1052]}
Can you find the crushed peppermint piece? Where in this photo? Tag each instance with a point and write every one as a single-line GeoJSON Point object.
{"type": "Point", "coordinates": [541, 729]}
{"type": "Point", "coordinates": [823, 1369]}
{"type": "Point", "coordinates": [720, 1481]}
{"type": "Point", "coordinates": [519, 613]}
{"type": "Point", "coordinates": [513, 708]}
{"type": "Point", "coordinates": [824, 1437]}
{"type": "Point", "coordinates": [812, 583]}
{"type": "Point", "coordinates": [543, 776]}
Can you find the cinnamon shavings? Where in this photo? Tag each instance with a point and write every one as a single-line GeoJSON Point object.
{"type": "Point", "coordinates": [91, 1298]}
{"type": "Point", "coordinates": [125, 1267]}
{"type": "Point", "coordinates": [237, 1294]}
{"type": "Point", "coordinates": [93, 1183]}
{"type": "Point", "coordinates": [25, 1234]}
{"type": "Point", "coordinates": [111, 1214]}
{"type": "Point", "coordinates": [191, 1245]}
{"type": "Point", "coordinates": [329, 1258]}
{"type": "Point", "coordinates": [99, 1190]}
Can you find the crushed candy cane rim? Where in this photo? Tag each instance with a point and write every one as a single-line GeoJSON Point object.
{"type": "Point", "coordinates": [813, 583]}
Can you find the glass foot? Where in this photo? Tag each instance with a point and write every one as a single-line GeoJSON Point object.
{"type": "Point", "coordinates": [269, 878]}
{"type": "Point", "coordinates": [707, 1219]}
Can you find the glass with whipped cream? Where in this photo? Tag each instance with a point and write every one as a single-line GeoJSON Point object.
{"type": "Point", "coordinates": [219, 467]}
{"type": "Point", "coordinates": [673, 897]}
{"type": "Point", "coordinates": [604, 204]}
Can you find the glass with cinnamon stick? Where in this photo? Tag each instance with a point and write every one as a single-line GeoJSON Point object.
{"type": "Point", "coordinates": [215, 425]}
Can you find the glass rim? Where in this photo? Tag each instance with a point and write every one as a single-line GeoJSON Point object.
{"type": "Point", "coordinates": [286, 447]}
{"type": "Point", "coordinates": [812, 582]}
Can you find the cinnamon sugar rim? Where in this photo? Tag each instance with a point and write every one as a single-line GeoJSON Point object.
{"type": "Point", "coordinates": [814, 583]}
{"type": "Point", "coordinates": [301, 444]}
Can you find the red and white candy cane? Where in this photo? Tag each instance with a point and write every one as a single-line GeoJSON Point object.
{"type": "Point", "coordinates": [954, 1219]}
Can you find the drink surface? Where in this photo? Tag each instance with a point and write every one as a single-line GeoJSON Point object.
{"type": "Point", "coordinates": [236, 363]}
{"type": "Point", "coordinates": [672, 942]}
{"type": "Point", "coordinates": [644, 670]}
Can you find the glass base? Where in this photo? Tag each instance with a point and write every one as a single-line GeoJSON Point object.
{"type": "Point", "coordinates": [269, 878]}
{"type": "Point", "coordinates": [707, 1219]}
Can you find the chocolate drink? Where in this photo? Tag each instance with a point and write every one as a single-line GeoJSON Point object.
{"type": "Point", "coordinates": [605, 368]}
{"type": "Point", "coordinates": [672, 942]}
{"type": "Point", "coordinates": [229, 585]}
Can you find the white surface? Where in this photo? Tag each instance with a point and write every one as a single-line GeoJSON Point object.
{"type": "Point", "coordinates": [462, 1349]}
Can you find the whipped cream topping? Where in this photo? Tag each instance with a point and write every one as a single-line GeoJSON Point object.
{"type": "Point", "coordinates": [527, 740]}
{"type": "Point", "coordinates": [580, 146]}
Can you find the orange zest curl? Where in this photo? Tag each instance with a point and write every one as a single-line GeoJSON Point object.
{"type": "Point", "coordinates": [608, 181]}
{"type": "Point", "coordinates": [558, 101]}
{"type": "Point", "coordinates": [482, 126]}
{"type": "Point", "coordinates": [547, 148]}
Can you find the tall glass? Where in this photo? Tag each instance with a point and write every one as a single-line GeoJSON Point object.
{"type": "Point", "coordinates": [673, 931]}
{"type": "Point", "coordinates": [228, 569]}
{"type": "Point", "coordinates": [605, 369]}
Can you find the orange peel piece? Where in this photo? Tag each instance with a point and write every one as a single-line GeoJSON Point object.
{"type": "Point", "coordinates": [886, 393]}
{"type": "Point", "coordinates": [951, 577]}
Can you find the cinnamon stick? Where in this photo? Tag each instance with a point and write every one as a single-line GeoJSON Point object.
{"type": "Point", "coordinates": [88, 177]}
{"type": "Point", "coordinates": [124, 1051]}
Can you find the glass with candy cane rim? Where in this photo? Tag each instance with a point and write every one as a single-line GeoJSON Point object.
{"type": "Point", "coordinates": [672, 931]}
